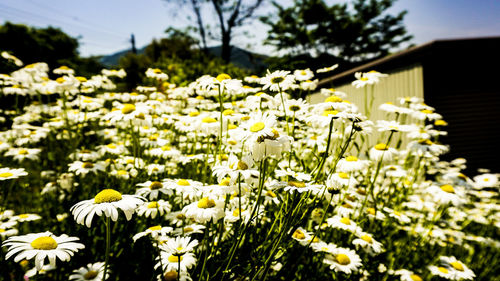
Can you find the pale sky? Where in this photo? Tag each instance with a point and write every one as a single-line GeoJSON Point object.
{"type": "Point", "coordinates": [105, 26]}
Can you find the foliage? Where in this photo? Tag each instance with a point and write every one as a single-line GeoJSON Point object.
{"type": "Point", "coordinates": [56, 47]}
{"type": "Point", "coordinates": [340, 33]}
{"type": "Point", "coordinates": [177, 54]}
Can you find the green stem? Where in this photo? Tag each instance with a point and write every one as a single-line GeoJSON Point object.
{"type": "Point", "coordinates": [108, 245]}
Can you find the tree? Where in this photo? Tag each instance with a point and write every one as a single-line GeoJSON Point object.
{"type": "Point", "coordinates": [50, 45]}
{"type": "Point", "coordinates": [231, 14]}
{"type": "Point", "coordinates": [313, 31]}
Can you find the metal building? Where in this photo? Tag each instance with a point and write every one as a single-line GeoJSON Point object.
{"type": "Point", "coordinates": [459, 77]}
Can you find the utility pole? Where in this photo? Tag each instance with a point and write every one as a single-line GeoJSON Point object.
{"type": "Point", "coordinates": [132, 41]}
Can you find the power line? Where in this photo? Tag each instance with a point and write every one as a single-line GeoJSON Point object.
{"type": "Point", "coordinates": [83, 41]}
{"type": "Point", "coordinates": [74, 18]}
{"type": "Point", "coordinates": [31, 15]}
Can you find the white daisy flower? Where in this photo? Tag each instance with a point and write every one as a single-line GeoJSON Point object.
{"type": "Point", "coordinates": [327, 69]}
{"type": "Point", "coordinates": [456, 268]}
{"type": "Point", "coordinates": [344, 260]}
{"type": "Point", "coordinates": [83, 168]}
{"type": "Point", "coordinates": [303, 74]}
{"type": "Point", "coordinates": [367, 241]}
{"type": "Point", "coordinates": [9, 173]}
{"type": "Point", "coordinates": [154, 231]}
{"type": "Point", "coordinates": [151, 209]}
{"type": "Point", "coordinates": [382, 152]}
{"type": "Point", "coordinates": [179, 246]}
{"type": "Point", "coordinates": [352, 163]}
{"type": "Point", "coordinates": [26, 217]}
{"type": "Point", "coordinates": [106, 202]}
{"type": "Point", "coordinates": [278, 80]}
{"type": "Point", "coordinates": [446, 194]}
{"type": "Point", "coordinates": [407, 275]}
{"type": "Point", "coordinates": [343, 223]}
{"type": "Point", "coordinates": [40, 246]}
{"type": "Point", "coordinates": [152, 189]}
{"type": "Point", "coordinates": [91, 272]}
{"type": "Point", "coordinates": [171, 262]}
{"type": "Point", "coordinates": [205, 209]}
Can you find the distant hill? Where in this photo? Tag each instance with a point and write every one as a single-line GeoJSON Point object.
{"type": "Point", "coordinates": [239, 57]}
{"type": "Point", "coordinates": [112, 60]}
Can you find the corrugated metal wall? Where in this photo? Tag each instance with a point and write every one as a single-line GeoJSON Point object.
{"type": "Point", "coordinates": [401, 82]}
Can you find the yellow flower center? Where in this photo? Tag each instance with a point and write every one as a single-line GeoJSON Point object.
{"type": "Point", "coordinates": [225, 182]}
{"type": "Point", "coordinates": [60, 80]}
{"type": "Point", "coordinates": [271, 194]}
{"type": "Point", "coordinates": [363, 79]}
{"type": "Point", "coordinates": [345, 220]}
{"type": "Point", "coordinates": [298, 184]}
{"type": "Point", "coordinates": [415, 277]}
{"type": "Point", "coordinates": [121, 172]}
{"type": "Point", "coordinates": [174, 259]}
{"type": "Point", "coordinates": [443, 270]}
{"type": "Point", "coordinates": [107, 196]}
{"type": "Point", "coordinates": [277, 80]}
{"type": "Point", "coordinates": [343, 175]}
{"type": "Point", "coordinates": [397, 213]}
{"type": "Point", "coordinates": [426, 111]}
{"type": "Point", "coordinates": [209, 120]}
{"type": "Point", "coordinates": [447, 188]}
{"type": "Point", "coordinates": [194, 113]}
{"type": "Point", "coordinates": [166, 148]}
{"type": "Point", "coordinates": [351, 158]}
{"type": "Point", "coordinates": [183, 182]}
{"type": "Point", "coordinates": [343, 259]}
{"type": "Point", "coordinates": [2, 230]}
{"type": "Point", "coordinates": [111, 145]}
{"type": "Point", "coordinates": [242, 165]}
{"type": "Point", "coordinates": [153, 205]}
{"type": "Point", "coordinates": [440, 123]}
{"type": "Point", "coordinates": [200, 98]}
{"type": "Point", "coordinates": [171, 276]}
{"type": "Point", "coordinates": [298, 235]}
{"type": "Point", "coordinates": [333, 99]}
{"type": "Point", "coordinates": [24, 216]}
{"type": "Point", "coordinates": [231, 127]}
{"type": "Point", "coordinates": [236, 212]}
{"type": "Point", "coordinates": [228, 112]}
{"type": "Point", "coordinates": [155, 185]}
{"type": "Point", "coordinates": [223, 76]}
{"type": "Point", "coordinates": [23, 151]}
{"type": "Point", "coordinates": [425, 142]}
{"type": "Point", "coordinates": [6, 175]}
{"type": "Point", "coordinates": [457, 265]}
{"type": "Point", "coordinates": [90, 275]}
{"type": "Point", "coordinates": [155, 228]}
{"type": "Point", "coordinates": [128, 108]}
{"type": "Point", "coordinates": [257, 127]}
{"type": "Point", "coordinates": [381, 146]}
{"type": "Point", "coordinates": [206, 203]}
{"type": "Point", "coordinates": [330, 112]}
{"type": "Point", "coordinates": [44, 243]}
{"type": "Point", "coordinates": [367, 238]}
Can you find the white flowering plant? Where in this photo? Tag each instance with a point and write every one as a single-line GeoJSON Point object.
{"type": "Point", "coordinates": [232, 179]}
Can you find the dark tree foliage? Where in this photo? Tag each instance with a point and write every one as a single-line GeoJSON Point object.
{"type": "Point", "coordinates": [314, 34]}
{"type": "Point", "coordinates": [50, 45]}
{"type": "Point", "coordinates": [177, 55]}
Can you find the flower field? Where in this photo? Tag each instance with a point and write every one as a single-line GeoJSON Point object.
{"type": "Point", "coordinates": [232, 179]}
